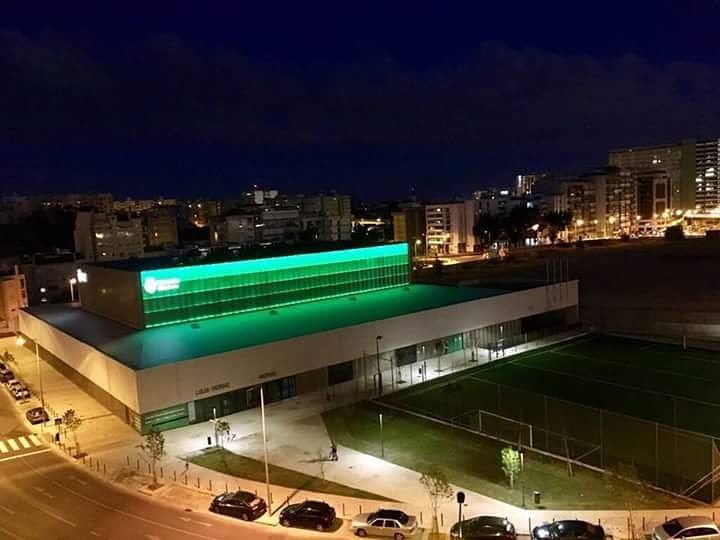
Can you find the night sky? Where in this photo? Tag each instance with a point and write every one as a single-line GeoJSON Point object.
{"type": "Point", "coordinates": [203, 99]}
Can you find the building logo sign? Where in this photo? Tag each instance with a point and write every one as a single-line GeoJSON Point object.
{"type": "Point", "coordinates": [152, 285]}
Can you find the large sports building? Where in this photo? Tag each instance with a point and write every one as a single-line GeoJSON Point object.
{"type": "Point", "coordinates": [165, 342]}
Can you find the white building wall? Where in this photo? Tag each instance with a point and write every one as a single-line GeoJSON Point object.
{"type": "Point", "coordinates": [106, 372]}
{"type": "Point", "coordinates": [177, 383]}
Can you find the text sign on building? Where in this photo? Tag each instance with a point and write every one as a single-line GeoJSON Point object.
{"type": "Point", "coordinates": [152, 285]}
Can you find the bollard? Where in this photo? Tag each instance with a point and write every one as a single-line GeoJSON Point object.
{"type": "Point", "coordinates": [149, 469]}
{"type": "Point", "coordinates": [226, 489]}
{"type": "Point", "coordinates": [83, 460]}
{"type": "Point", "coordinates": [198, 479]}
{"type": "Point", "coordinates": [174, 475]}
{"type": "Point", "coordinates": [529, 525]}
{"type": "Point", "coordinates": [343, 508]}
{"type": "Point", "coordinates": [90, 460]}
{"type": "Point", "coordinates": [210, 485]}
{"type": "Point", "coordinates": [128, 460]}
{"type": "Point", "coordinates": [255, 490]}
{"type": "Point", "coordinates": [97, 465]}
{"type": "Point", "coordinates": [104, 469]}
{"type": "Point", "coordinates": [643, 522]}
{"type": "Point", "coordinates": [442, 519]}
{"type": "Point", "coordinates": [421, 521]}
{"type": "Point", "coordinates": [138, 464]}
{"type": "Point", "coordinates": [162, 475]}
{"type": "Point", "coordinates": [186, 479]}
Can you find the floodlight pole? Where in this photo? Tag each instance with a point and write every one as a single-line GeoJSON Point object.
{"type": "Point", "coordinates": [377, 359]}
{"type": "Point", "coordinates": [265, 452]}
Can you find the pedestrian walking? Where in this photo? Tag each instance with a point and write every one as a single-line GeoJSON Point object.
{"type": "Point", "coordinates": [333, 452]}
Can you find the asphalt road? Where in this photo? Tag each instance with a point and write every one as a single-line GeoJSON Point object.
{"type": "Point", "coordinates": [44, 497]}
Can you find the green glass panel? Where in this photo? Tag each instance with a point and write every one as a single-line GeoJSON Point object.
{"type": "Point", "coordinates": [173, 295]}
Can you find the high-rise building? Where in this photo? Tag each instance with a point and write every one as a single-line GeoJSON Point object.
{"type": "Point", "coordinates": [707, 175]}
{"type": "Point", "coordinates": [450, 227]}
{"type": "Point", "coordinates": [525, 183]}
{"type": "Point", "coordinates": [106, 237]}
{"type": "Point", "coordinates": [653, 193]}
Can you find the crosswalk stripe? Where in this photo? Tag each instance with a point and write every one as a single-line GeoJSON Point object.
{"type": "Point", "coordinates": [13, 444]}
{"type": "Point", "coordinates": [24, 442]}
{"type": "Point", "coordinates": [35, 440]}
{"type": "Point", "coordinates": [3, 448]}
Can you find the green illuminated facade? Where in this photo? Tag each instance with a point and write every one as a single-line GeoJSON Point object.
{"type": "Point", "coordinates": [181, 294]}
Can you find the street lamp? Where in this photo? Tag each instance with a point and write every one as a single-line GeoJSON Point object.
{"type": "Point", "coordinates": [265, 453]}
{"type": "Point", "coordinates": [20, 341]}
{"type": "Point", "coordinates": [73, 282]}
{"type": "Point", "coordinates": [377, 359]}
{"type": "Point", "coordinates": [417, 244]}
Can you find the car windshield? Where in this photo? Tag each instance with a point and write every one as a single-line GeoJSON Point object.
{"type": "Point", "coordinates": [672, 527]}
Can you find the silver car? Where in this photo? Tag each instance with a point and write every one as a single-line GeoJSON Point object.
{"type": "Point", "coordinates": [695, 527]}
{"type": "Point", "coordinates": [393, 523]}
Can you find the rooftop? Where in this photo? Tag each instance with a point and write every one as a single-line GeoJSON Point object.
{"type": "Point", "coordinates": [231, 254]}
{"type": "Point", "coordinates": [141, 349]}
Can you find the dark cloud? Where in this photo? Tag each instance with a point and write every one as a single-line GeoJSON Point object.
{"type": "Point", "coordinates": [474, 120]}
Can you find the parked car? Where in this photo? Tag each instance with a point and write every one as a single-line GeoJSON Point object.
{"type": "Point", "coordinates": [21, 392]}
{"type": "Point", "coordinates": [12, 384]}
{"type": "Point", "coordinates": [569, 530]}
{"type": "Point", "coordinates": [240, 504]}
{"type": "Point", "coordinates": [698, 527]}
{"type": "Point", "coordinates": [6, 376]}
{"type": "Point", "coordinates": [37, 415]}
{"type": "Point", "coordinates": [309, 514]}
{"type": "Point", "coordinates": [393, 523]}
{"type": "Point", "coordinates": [484, 528]}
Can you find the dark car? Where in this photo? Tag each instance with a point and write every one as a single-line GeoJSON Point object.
{"type": "Point", "coordinates": [309, 514]}
{"type": "Point", "coordinates": [6, 375]}
{"type": "Point", "coordinates": [37, 415]}
{"type": "Point", "coordinates": [569, 530]}
{"type": "Point", "coordinates": [240, 504]}
{"type": "Point", "coordinates": [484, 528]}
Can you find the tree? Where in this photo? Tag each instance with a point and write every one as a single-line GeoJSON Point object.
{"type": "Point", "coordinates": [437, 487]}
{"type": "Point", "coordinates": [72, 422]}
{"type": "Point", "coordinates": [222, 427]}
{"type": "Point", "coordinates": [153, 448]}
{"type": "Point", "coordinates": [511, 464]}
{"type": "Point", "coordinates": [556, 222]}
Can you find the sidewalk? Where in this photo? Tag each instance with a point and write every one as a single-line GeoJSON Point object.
{"type": "Point", "coordinates": [296, 436]}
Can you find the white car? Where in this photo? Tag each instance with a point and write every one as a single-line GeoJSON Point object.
{"type": "Point", "coordinates": [391, 523]}
{"type": "Point", "coordinates": [695, 527]}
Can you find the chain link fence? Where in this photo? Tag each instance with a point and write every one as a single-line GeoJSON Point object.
{"type": "Point", "coordinates": [673, 459]}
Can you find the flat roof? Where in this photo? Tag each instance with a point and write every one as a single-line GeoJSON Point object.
{"type": "Point", "coordinates": [141, 349]}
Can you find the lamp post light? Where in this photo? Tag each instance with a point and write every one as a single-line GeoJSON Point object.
{"type": "Point", "coordinates": [377, 359]}
{"type": "Point", "coordinates": [417, 244]}
{"type": "Point", "coordinates": [20, 341]}
{"type": "Point", "coordinates": [73, 282]}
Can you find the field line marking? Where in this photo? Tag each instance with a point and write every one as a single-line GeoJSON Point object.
{"type": "Point", "coordinates": [10, 534]}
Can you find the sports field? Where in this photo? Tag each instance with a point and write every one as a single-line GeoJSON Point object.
{"type": "Point", "coordinates": [656, 382]}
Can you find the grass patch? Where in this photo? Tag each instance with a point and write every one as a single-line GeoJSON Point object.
{"type": "Point", "coordinates": [473, 462]}
{"type": "Point", "coordinates": [224, 461]}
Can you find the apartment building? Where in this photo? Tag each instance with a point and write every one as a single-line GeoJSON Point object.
{"type": "Point", "coordinates": [160, 226]}
{"type": "Point", "coordinates": [449, 227]}
{"type": "Point", "coordinates": [13, 297]}
{"type": "Point", "coordinates": [100, 236]}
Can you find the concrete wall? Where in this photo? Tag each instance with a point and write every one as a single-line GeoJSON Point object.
{"type": "Point", "coordinates": [172, 384]}
{"type": "Point", "coordinates": [100, 370]}
{"type": "Point", "coordinates": [113, 294]}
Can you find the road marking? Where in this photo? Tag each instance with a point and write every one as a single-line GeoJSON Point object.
{"type": "Point", "coordinates": [95, 533]}
{"type": "Point", "coordinates": [152, 537]}
{"type": "Point", "coordinates": [27, 454]}
{"type": "Point", "coordinates": [202, 523]}
{"type": "Point", "coordinates": [9, 534]}
{"type": "Point", "coordinates": [183, 518]}
{"type": "Point", "coordinates": [24, 442]}
{"type": "Point", "coordinates": [83, 482]}
{"type": "Point", "coordinates": [13, 444]}
{"type": "Point", "coordinates": [3, 448]}
{"type": "Point", "coordinates": [35, 440]}
{"type": "Point", "coordinates": [59, 518]}
{"type": "Point", "coordinates": [41, 490]}
{"type": "Point", "coordinates": [5, 509]}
